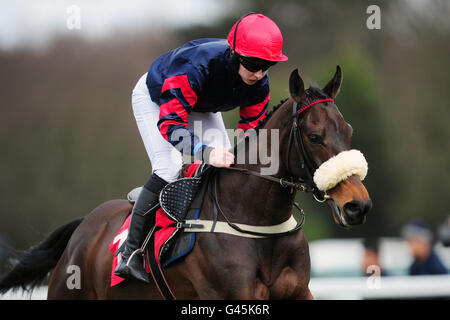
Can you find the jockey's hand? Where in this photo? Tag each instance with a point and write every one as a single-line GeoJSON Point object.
{"type": "Point", "coordinates": [221, 158]}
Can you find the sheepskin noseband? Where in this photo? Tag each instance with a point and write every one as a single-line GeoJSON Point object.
{"type": "Point", "coordinates": [339, 168]}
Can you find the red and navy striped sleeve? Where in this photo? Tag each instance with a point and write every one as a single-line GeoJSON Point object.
{"type": "Point", "coordinates": [178, 98]}
{"type": "Point", "coordinates": [251, 115]}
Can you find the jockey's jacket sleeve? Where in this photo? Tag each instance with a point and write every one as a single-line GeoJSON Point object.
{"type": "Point", "coordinates": [251, 115]}
{"type": "Point", "coordinates": [178, 98]}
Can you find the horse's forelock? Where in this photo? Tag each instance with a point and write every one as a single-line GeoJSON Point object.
{"type": "Point", "coordinates": [314, 93]}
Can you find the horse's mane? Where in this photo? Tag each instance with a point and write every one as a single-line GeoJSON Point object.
{"type": "Point", "coordinates": [269, 114]}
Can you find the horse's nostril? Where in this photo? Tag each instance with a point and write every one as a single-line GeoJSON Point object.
{"type": "Point", "coordinates": [356, 208]}
{"type": "Point", "coordinates": [353, 208]}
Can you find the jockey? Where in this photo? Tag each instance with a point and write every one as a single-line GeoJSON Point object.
{"type": "Point", "coordinates": [192, 85]}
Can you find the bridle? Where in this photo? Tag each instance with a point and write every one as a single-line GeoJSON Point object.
{"type": "Point", "coordinates": [306, 162]}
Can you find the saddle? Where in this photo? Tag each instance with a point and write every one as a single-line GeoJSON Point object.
{"type": "Point", "coordinates": [180, 201]}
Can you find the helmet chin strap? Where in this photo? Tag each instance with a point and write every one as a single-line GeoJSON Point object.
{"type": "Point", "coordinates": [234, 55]}
{"type": "Point", "coordinates": [235, 62]}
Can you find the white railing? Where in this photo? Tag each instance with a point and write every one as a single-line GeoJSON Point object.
{"type": "Point", "coordinates": [39, 293]}
{"type": "Point", "coordinates": [390, 287]}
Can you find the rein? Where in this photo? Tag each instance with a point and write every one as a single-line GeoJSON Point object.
{"type": "Point", "coordinates": [285, 183]}
{"type": "Point", "coordinates": [307, 185]}
{"type": "Point", "coordinates": [253, 231]}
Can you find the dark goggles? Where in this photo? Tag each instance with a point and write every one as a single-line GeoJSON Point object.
{"type": "Point", "coordinates": [255, 64]}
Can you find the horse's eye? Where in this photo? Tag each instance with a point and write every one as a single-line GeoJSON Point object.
{"type": "Point", "coordinates": [314, 138]}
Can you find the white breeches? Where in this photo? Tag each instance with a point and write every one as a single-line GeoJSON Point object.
{"type": "Point", "coordinates": [166, 161]}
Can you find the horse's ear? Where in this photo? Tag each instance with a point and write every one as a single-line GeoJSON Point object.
{"type": "Point", "coordinates": [334, 85]}
{"type": "Point", "coordinates": [296, 86]}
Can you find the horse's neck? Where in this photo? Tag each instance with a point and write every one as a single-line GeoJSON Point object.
{"type": "Point", "coordinates": [269, 144]}
{"type": "Point", "coordinates": [251, 199]}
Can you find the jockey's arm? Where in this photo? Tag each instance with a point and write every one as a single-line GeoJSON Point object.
{"type": "Point", "coordinates": [179, 100]}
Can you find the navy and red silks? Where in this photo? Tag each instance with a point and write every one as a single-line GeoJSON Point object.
{"type": "Point", "coordinates": [199, 76]}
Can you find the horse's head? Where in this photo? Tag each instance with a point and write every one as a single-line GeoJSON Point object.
{"type": "Point", "coordinates": [323, 157]}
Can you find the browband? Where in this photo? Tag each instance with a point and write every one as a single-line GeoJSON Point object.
{"type": "Point", "coordinates": [313, 103]}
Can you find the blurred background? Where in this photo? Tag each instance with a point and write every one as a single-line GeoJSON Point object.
{"type": "Point", "coordinates": [69, 140]}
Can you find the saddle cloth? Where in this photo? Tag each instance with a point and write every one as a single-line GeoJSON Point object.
{"type": "Point", "coordinates": [169, 244]}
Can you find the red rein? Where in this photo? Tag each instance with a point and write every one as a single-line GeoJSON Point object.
{"type": "Point", "coordinates": [313, 103]}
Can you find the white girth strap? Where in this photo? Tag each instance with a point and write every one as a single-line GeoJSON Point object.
{"type": "Point", "coordinates": [223, 227]}
{"type": "Point", "coordinates": [339, 168]}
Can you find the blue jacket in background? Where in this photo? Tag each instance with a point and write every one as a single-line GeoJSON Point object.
{"type": "Point", "coordinates": [430, 266]}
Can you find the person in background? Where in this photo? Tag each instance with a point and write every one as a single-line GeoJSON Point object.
{"type": "Point", "coordinates": [444, 232]}
{"type": "Point", "coordinates": [420, 241]}
{"type": "Point", "coordinates": [371, 257]}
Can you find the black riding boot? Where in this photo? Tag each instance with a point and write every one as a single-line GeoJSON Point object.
{"type": "Point", "coordinates": [142, 220]}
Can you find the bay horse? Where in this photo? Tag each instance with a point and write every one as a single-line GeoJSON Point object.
{"type": "Point", "coordinates": [312, 132]}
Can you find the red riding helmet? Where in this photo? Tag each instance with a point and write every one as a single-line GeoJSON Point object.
{"type": "Point", "coordinates": [255, 35]}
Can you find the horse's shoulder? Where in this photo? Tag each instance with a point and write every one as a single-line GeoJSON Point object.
{"type": "Point", "coordinates": [295, 245]}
